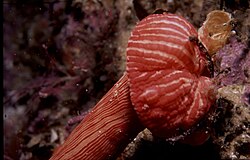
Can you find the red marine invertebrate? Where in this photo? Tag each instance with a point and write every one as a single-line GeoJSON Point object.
{"type": "Point", "coordinates": [164, 70]}
{"type": "Point", "coordinates": [163, 82]}
{"type": "Point", "coordinates": [106, 130]}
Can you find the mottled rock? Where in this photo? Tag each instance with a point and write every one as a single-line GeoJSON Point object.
{"type": "Point", "coordinates": [232, 63]}
{"type": "Point", "coordinates": [232, 126]}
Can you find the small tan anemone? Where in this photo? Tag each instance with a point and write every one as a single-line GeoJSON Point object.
{"type": "Point", "coordinates": [215, 30]}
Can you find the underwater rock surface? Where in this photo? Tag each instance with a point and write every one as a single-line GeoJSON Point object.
{"type": "Point", "coordinates": [232, 127]}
